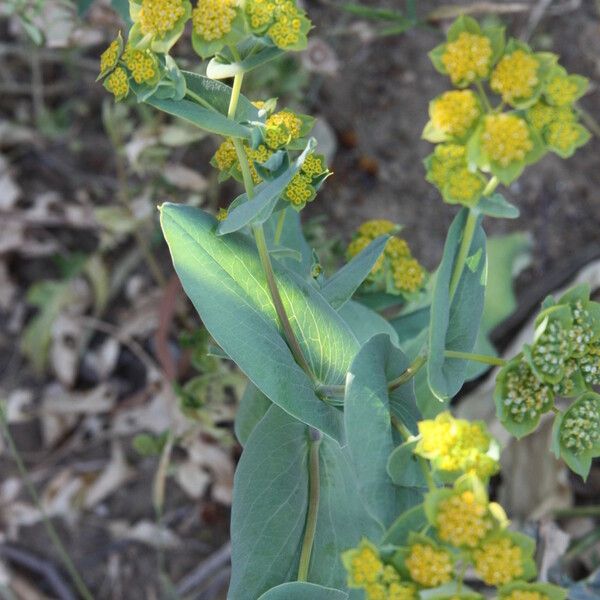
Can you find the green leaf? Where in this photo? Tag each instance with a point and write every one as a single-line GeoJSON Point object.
{"type": "Point", "coordinates": [291, 236]}
{"type": "Point", "coordinates": [414, 519]}
{"type": "Point", "coordinates": [455, 323]}
{"type": "Point", "coordinates": [224, 278]}
{"type": "Point", "coordinates": [217, 95]}
{"type": "Point", "coordinates": [365, 323]}
{"type": "Point", "coordinates": [369, 427]}
{"type": "Point", "coordinates": [209, 110]}
{"type": "Point", "coordinates": [580, 423]}
{"type": "Point", "coordinates": [260, 207]}
{"type": "Point", "coordinates": [297, 590]}
{"type": "Point", "coordinates": [339, 288]}
{"type": "Point", "coordinates": [252, 408]}
{"type": "Point", "coordinates": [403, 466]}
{"type": "Point", "coordinates": [497, 206]}
{"type": "Point", "coordinates": [270, 503]}
{"type": "Point", "coordinates": [199, 116]}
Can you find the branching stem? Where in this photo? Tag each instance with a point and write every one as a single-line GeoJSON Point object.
{"type": "Point", "coordinates": [261, 242]}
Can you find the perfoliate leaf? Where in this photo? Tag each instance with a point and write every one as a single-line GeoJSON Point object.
{"type": "Point", "coordinates": [455, 321]}
{"type": "Point", "coordinates": [224, 278]}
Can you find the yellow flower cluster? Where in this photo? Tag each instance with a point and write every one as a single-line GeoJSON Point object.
{"type": "Point", "coordinates": [454, 113]}
{"type": "Point", "coordinates": [405, 272]}
{"type": "Point", "coordinates": [225, 158]}
{"type": "Point", "coordinates": [462, 520]}
{"type": "Point", "coordinates": [376, 227]}
{"type": "Point", "coordinates": [299, 191]}
{"type": "Point", "coordinates": [259, 155]}
{"type": "Point", "coordinates": [499, 561]}
{"type": "Point", "coordinates": [464, 185]}
{"type": "Point", "coordinates": [563, 135]}
{"type": "Point", "coordinates": [366, 570]}
{"type": "Point", "coordinates": [282, 128]}
{"type": "Point", "coordinates": [222, 214]}
{"type": "Point", "coordinates": [118, 83]}
{"type": "Point", "coordinates": [456, 445]}
{"type": "Point", "coordinates": [158, 17]}
{"type": "Point", "coordinates": [141, 63]}
{"type": "Point", "coordinates": [506, 139]}
{"type": "Point", "coordinates": [212, 19]}
{"type": "Point", "coordinates": [516, 76]}
{"type": "Point", "coordinates": [110, 57]}
{"type": "Point", "coordinates": [494, 142]}
{"type": "Point", "coordinates": [313, 166]}
{"type": "Point", "coordinates": [281, 19]}
{"type": "Point", "coordinates": [561, 90]}
{"type": "Point", "coordinates": [525, 595]}
{"type": "Point", "coordinates": [445, 159]}
{"type": "Point", "coordinates": [467, 58]}
{"type": "Point", "coordinates": [429, 566]}
{"type": "Point", "coordinates": [408, 274]}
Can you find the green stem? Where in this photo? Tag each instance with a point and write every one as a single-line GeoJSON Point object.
{"type": "Point", "coordinates": [410, 372]}
{"type": "Point", "coordinates": [481, 358]}
{"type": "Point", "coordinates": [423, 464]}
{"type": "Point", "coordinates": [51, 531]}
{"type": "Point", "coordinates": [263, 251]}
{"type": "Point", "coordinates": [484, 98]}
{"type": "Point", "coordinates": [339, 390]}
{"type": "Point", "coordinates": [279, 229]}
{"type": "Point", "coordinates": [261, 242]}
{"type": "Point", "coordinates": [235, 94]}
{"type": "Point", "coordinates": [491, 186]}
{"type": "Point", "coordinates": [578, 511]}
{"type": "Point", "coordinates": [314, 483]}
{"type": "Point", "coordinates": [463, 251]}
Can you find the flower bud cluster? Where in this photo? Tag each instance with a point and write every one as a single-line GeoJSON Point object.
{"type": "Point", "coordinates": [396, 271]}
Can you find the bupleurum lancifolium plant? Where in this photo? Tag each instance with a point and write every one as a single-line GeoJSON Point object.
{"type": "Point", "coordinates": [356, 481]}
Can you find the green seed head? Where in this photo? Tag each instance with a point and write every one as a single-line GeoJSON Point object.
{"type": "Point", "coordinates": [525, 396]}
{"type": "Point", "coordinates": [580, 430]}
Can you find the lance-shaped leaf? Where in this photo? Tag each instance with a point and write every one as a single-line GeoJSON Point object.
{"type": "Point", "coordinates": [369, 426]}
{"type": "Point", "coordinates": [260, 207]}
{"type": "Point", "coordinates": [270, 503]}
{"type": "Point", "coordinates": [340, 287]}
{"type": "Point", "coordinates": [252, 408]}
{"type": "Point", "coordinates": [207, 105]}
{"type": "Point", "coordinates": [224, 279]}
{"type": "Point", "coordinates": [455, 321]}
{"type": "Point", "coordinates": [364, 322]}
{"type": "Point", "coordinates": [297, 590]}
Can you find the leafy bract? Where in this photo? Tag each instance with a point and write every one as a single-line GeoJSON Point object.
{"type": "Point", "coordinates": [224, 279]}
{"type": "Point", "coordinates": [207, 107]}
{"type": "Point", "coordinates": [369, 426]}
{"type": "Point", "coordinates": [270, 503]}
{"type": "Point", "coordinates": [260, 207]}
{"type": "Point", "coordinates": [252, 408]}
{"type": "Point", "coordinates": [340, 287]}
{"type": "Point", "coordinates": [455, 320]}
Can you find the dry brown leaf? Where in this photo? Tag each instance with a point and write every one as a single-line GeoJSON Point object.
{"type": "Point", "coordinates": [116, 473]}
{"type": "Point", "coordinates": [184, 178]}
{"type": "Point", "coordinates": [9, 189]}
{"type": "Point", "coordinates": [145, 532]}
{"type": "Point", "coordinates": [552, 545]}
